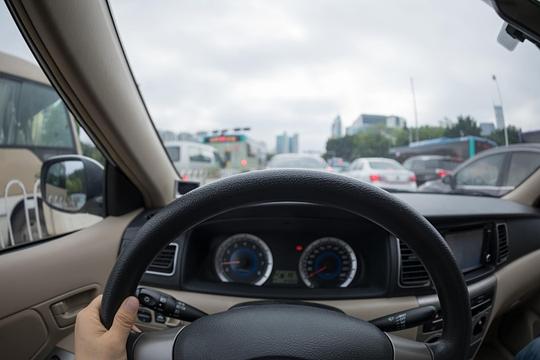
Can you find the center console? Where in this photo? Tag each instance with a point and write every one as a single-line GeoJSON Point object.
{"type": "Point", "coordinates": [481, 295]}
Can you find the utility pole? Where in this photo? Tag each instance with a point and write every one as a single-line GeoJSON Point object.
{"type": "Point", "coordinates": [415, 109]}
{"type": "Point", "coordinates": [502, 110]}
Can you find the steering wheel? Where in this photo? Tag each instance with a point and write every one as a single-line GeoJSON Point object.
{"type": "Point", "coordinates": [288, 331]}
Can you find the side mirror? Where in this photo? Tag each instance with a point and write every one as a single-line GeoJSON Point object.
{"type": "Point", "coordinates": [73, 184]}
{"type": "Point", "coordinates": [449, 180]}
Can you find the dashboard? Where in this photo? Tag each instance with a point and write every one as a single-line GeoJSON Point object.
{"type": "Point", "coordinates": [306, 251]}
{"type": "Point", "coordinates": [302, 251]}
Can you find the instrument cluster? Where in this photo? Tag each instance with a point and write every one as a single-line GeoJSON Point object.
{"type": "Point", "coordinates": [325, 262]}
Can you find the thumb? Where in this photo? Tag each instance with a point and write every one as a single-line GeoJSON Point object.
{"type": "Point", "coordinates": [124, 319]}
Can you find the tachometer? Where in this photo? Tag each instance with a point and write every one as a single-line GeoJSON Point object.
{"type": "Point", "coordinates": [243, 258]}
{"type": "Point", "coordinates": [328, 263]}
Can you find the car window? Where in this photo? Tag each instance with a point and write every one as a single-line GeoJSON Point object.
{"type": "Point", "coordinates": [35, 125]}
{"type": "Point", "coordinates": [197, 154]}
{"type": "Point", "coordinates": [522, 165]}
{"type": "Point", "coordinates": [384, 165]}
{"type": "Point", "coordinates": [483, 172]}
{"type": "Point", "coordinates": [174, 153]}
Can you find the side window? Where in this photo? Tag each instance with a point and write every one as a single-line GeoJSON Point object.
{"type": "Point", "coordinates": [197, 154]}
{"type": "Point", "coordinates": [483, 172]}
{"type": "Point", "coordinates": [522, 165]}
{"type": "Point", "coordinates": [174, 153]}
{"type": "Point", "coordinates": [35, 125]}
{"type": "Point", "coordinates": [43, 119]}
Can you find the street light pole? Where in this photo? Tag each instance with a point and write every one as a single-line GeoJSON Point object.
{"type": "Point", "coordinates": [502, 110]}
{"type": "Point", "coordinates": [415, 109]}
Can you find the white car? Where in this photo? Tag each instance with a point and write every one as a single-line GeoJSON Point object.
{"type": "Point", "coordinates": [194, 161]}
{"type": "Point", "coordinates": [385, 173]}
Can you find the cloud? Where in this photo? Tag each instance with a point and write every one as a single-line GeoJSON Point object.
{"type": "Point", "coordinates": [295, 64]}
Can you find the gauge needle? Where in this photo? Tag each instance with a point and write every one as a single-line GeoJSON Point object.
{"type": "Point", "coordinates": [232, 262]}
{"type": "Point", "coordinates": [316, 272]}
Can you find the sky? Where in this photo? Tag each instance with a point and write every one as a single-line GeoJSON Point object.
{"type": "Point", "coordinates": [293, 65]}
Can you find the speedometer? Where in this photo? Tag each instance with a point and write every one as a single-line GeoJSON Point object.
{"type": "Point", "coordinates": [328, 263]}
{"type": "Point", "coordinates": [243, 258]}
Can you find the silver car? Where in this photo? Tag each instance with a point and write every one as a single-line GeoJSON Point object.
{"type": "Point", "coordinates": [385, 173]}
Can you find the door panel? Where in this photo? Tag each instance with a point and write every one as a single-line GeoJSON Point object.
{"type": "Point", "coordinates": [70, 269]}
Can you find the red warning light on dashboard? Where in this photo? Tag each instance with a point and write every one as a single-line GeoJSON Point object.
{"type": "Point", "coordinates": [299, 248]}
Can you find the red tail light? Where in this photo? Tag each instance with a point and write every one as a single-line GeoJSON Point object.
{"type": "Point", "coordinates": [412, 178]}
{"type": "Point", "coordinates": [374, 177]}
{"type": "Point", "coordinates": [185, 178]}
{"type": "Point", "coordinates": [441, 173]}
{"type": "Point", "coordinates": [243, 162]}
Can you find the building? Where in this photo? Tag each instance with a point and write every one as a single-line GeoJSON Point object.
{"type": "Point", "coordinates": [287, 144]}
{"type": "Point", "coordinates": [486, 128]}
{"type": "Point", "coordinates": [366, 121]}
{"type": "Point", "coordinates": [336, 128]}
{"type": "Point", "coordinates": [499, 116]}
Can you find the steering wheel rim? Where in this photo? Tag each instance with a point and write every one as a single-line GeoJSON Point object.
{"type": "Point", "coordinates": [309, 186]}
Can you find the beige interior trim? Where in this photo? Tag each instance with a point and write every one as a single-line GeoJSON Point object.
{"type": "Point", "coordinates": [78, 47]}
{"type": "Point", "coordinates": [365, 309]}
{"type": "Point", "coordinates": [37, 277]}
{"type": "Point", "coordinates": [516, 282]}
{"type": "Point", "coordinates": [528, 192]}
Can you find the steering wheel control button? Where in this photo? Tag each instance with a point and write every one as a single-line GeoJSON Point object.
{"type": "Point", "coordinates": [168, 306]}
{"type": "Point", "coordinates": [405, 319]}
{"type": "Point", "coordinates": [144, 316]}
{"type": "Point", "coordinates": [160, 318]}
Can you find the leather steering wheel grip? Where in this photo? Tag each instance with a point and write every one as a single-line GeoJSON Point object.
{"type": "Point", "coordinates": [308, 186]}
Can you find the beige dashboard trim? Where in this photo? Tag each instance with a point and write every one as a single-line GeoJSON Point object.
{"type": "Point", "coordinates": [365, 309]}
{"type": "Point", "coordinates": [517, 281]}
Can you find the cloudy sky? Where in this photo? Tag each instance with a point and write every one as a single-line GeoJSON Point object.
{"type": "Point", "coordinates": [295, 64]}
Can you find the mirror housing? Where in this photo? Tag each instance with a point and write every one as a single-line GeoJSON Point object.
{"type": "Point", "coordinates": [73, 184]}
{"type": "Point", "coordinates": [449, 180]}
{"type": "Point", "coordinates": [522, 16]}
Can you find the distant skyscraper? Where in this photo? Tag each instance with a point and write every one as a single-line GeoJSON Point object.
{"type": "Point", "coordinates": [336, 128]}
{"type": "Point", "coordinates": [287, 144]}
{"type": "Point", "coordinates": [293, 144]}
{"type": "Point", "coordinates": [486, 128]}
{"type": "Point", "coordinates": [282, 143]}
{"type": "Point", "coordinates": [499, 116]}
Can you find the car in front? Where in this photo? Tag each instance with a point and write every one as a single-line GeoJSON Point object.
{"type": "Point", "coordinates": [383, 172]}
{"type": "Point", "coordinates": [430, 167]}
{"type": "Point", "coordinates": [298, 161]}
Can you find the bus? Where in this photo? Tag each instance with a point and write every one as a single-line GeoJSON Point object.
{"type": "Point", "coordinates": [34, 125]}
{"type": "Point", "coordinates": [461, 148]}
{"type": "Point", "coordinates": [238, 152]}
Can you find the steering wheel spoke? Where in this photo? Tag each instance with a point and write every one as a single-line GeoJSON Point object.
{"type": "Point", "coordinates": [405, 349]}
{"type": "Point", "coordinates": [154, 345]}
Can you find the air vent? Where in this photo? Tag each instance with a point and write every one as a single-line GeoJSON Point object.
{"type": "Point", "coordinates": [502, 243]}
{"type": "Point", "coordinates": [412, 271]}
{"type": "Point", "coordinates": [164, 263]}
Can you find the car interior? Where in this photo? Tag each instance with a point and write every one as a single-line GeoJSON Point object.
{"type": "Point", "coordinates": [420, 275]}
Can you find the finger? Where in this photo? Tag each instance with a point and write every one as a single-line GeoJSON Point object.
{"type": "Point", "coordinates": [136, 329]}
{"type": "Point", "coordinates": [91, 309]}
{"type": "Point", "coordinates": [124, 319]}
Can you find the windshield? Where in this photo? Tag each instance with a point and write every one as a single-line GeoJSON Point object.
{"type": "Point", "coordinates": [343, 80]}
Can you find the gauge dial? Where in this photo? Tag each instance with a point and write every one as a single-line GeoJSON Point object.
{"type": "Point", "coordinates": [243, 258]}
{"type": "Point", "coordinates": [328, 263]}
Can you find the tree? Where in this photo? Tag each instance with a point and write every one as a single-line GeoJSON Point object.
{"type": "Point", "coordinates": [427, 132]}
{"type": "Point", "coordinates": [465, 126]}
{"type": "Point", "coordinates": [514, 135]}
